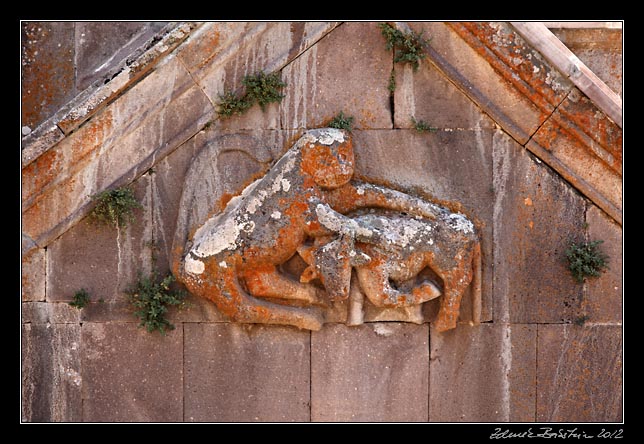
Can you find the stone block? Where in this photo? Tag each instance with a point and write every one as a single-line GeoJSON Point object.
{"type": "Point", "coordinates": [51, 373]}
{"type": "Point", "coordinates": [49, 313]}
{"type": "Point", "coordinates": [347, 71]}
{"type": "Point", "coordinates": [600, 49]}
{"type": "Point", "coordinates": [103, 46]}
{"type": "Point", "coordinates": [451, 167]}
{"type": "Point", "coordinates": [370, 373]}
{"type": "Point", "coordinates": [579, 373]}
{"type": "Point", "coordinates": [130, 375]}
{"type": "Point", "coordinates": [427, 95]}
{"type": "Point", "coordinates": [108, 262]}
{"type": "Point", "coordinates": [246, 373]}
{"type": "Point", "coordinates": [483, 373]}
{"type": "Point", "coordinates": [47, 75]}
{"type": "Point", "coordinates": [585, 147]}
{"type": "Point", "coordinates": [220, 55]}
{"type": "Point", "coordinates": [536, 217]}
{"type": "Point", "coordinates": [603, 297]}
{"type": "Point", "coordinates": [116, 146]}
{"type": "Point", "coordinates": [33, 271]}
{"type": "Point", "coordinates": [519, 105]}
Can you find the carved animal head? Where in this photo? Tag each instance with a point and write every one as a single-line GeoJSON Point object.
{"type": "Point", "coordinates": [329, 159]}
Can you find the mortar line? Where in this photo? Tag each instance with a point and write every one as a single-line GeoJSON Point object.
{"type": "Point", "coordinates": [556, 107]}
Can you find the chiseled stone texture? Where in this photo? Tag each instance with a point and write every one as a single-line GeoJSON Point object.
{"type": "Point", "coordinates": [483, 373]}
{"type": "Point", "coordinates": [603, 297]}
{"type": "Point", "coordinates": [369, 373]}
{"type": "Point", "coordinates": [130, 375]}
{"type": "Point", "coordinates": [108, 261]}
{"type": "Point", "coordinates": [47, 76]}
{"type": "Point", "coordinates": [579, 373]}
{"type": "Point", "coordinates": [536, 217]}
{"type": "Point", "coordinates": [33, 272]}
{"type": "Point", "coordinates": [332, 77]}
{"type": "Point", "coordinates": [246, 373]}
{"type": "Point", "coordinates": [103, 46]}
{"type": "Point", "coordinates": [51, 372]}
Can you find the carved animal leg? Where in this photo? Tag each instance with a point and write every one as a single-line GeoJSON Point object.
{"type": "Point", "coordinates": [374, 281]}
{"type": "Point", "coordinates": [455, 282]}
{"type": "Point", "coordinates": [269, 282]}
{"type": "Point", "coordinates": [224, 290]}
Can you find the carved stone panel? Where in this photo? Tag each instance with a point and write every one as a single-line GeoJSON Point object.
{"type": "Point", "coordinates": [306, 234]}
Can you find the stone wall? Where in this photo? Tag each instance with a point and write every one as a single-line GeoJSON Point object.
{"type": "Point", "coordinates": [549, 348]}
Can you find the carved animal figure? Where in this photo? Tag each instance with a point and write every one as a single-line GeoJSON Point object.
{"type": "Point", "coordinates": [386, 247]}
{"type": "Point", "coordinates": [232, 259]}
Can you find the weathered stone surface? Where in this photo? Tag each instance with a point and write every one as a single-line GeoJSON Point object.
{"type": "Point", "coordinates": [39, 141]}
{"type": "Point", "coordinates": [130, 375]}
{"type": "Point", "coordinates": [452, 167]}
{"type": "Point", "coordinates": [330, 78]}
{"type": "Point", "coordinates": [102, 46]}
{"type": "Point", "coordinates": [579, 373]}
{"type": "Point", "coordinates": [113, 148]}
{"type": "Point", "coordinates": [51, 379]}
{"type": "Point", "coordinates": [487, 78]}
{"type": "Point", "coordinates": [33, 275]}
{"type": "Point", "coordinates": [600, 49]}
{"type": "Point", "coordinates": [139, 64]}
{"type": "Point", "coordinates": [236, 373]}
{"type": "Point", "coordinates": [47, 75]}
{"type": "Point", "coordinates": [483, 373]}
{"type": "Point", "coordinates": [585, 147]}
{"type": "Point", "coordinates": [219, 55]}
{"type": "Point", "coordinates": [603, 297]}
{"type": "Point", "coordinates": [536, 217]}
{"type": "Point", "coordinates": [425, 94]}
{"type": "Point", "coordinates": [108, 262]}
{"type": "Point", "coordinates": [49, 313]}
{"type": "Point", "coordinates": [209, 169]}
{"type": "Point", "coordinates": [371, 372]}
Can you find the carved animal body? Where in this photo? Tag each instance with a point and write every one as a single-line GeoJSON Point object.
{"type": "Point", "coordinates": [232, 259]}
{"type": "Point", "coordinates": [395, 247]}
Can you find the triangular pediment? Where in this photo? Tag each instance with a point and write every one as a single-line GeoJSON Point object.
{"type": "Point", "coordinates": [479, 76]}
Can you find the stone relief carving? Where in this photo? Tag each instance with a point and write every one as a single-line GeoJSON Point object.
{"type": "Point", "coordinates": [355, 239]}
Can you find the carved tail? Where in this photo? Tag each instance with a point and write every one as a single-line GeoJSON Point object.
{"type": "Point", "coordinates": [477, 269]}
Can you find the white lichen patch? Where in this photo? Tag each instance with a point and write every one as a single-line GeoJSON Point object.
{"type": "Point", "coordinates": [460, 223]}
{"type": "Point", "coordinates": [276, 215]}
{"type": "Point", "coordinates": [193, 266]}
{"type": "Point", "coordinates": [223, 264]}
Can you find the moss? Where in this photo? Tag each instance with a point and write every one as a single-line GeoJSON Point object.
{"type": "Point", "coordinates": [340, 121]}
{"type": "Point", "coordinates": [421, 126]}
{"type": "Point", "coordinates": [408, 47]}
{"type": "Point", "coordinates": [586, 259]}
{"type": "Point", "coordinates": [115, 207]}
{"type": "Point", "coordinates": [151, 297]}
{"type": "Point", "coordinates": [80, 299]}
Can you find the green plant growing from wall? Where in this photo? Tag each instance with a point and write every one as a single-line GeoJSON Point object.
{"type": "Point", "coordinates": [586, 259]}
{"type": "Point", "coordinates": [340, 121]}
{"type": "Point", "coordinates": [260, 88]}
{"type": "Point", "coordinates": [408, 47]}
{"type": "Point", "coordinates": [422, 127]}
{"type": "Point", "coordinates": [115, 207]}
{"type": "Point", "coordinates": [151, 298]}
{"type": "Point", "coordinates": [264, 88]}
{"type": "Point", "coordinates": [80, 299]}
